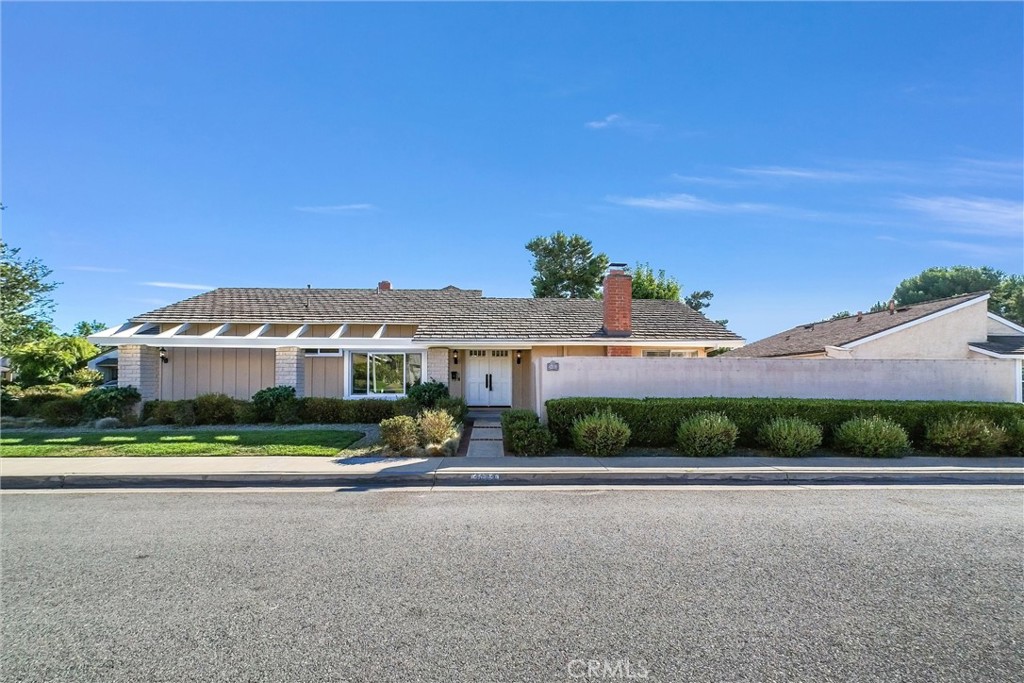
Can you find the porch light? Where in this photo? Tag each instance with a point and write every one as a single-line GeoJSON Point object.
{"type": "Point", "coordinates": [163, 355]}
{"type": "Point", "coordinates": [455, 357]}
{"type": "Point", "coordinates": [519, 357]}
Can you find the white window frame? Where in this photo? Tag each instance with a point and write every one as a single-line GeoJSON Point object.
{"type": "Point", "coordinates": [405, 353]}
{"type": "Point", "coordinates": [672, 353]}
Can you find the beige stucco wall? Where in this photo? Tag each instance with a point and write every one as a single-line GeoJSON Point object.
{"type": "Point", "coordinates": [996, 327]}
{"type": "Point", "coordinates": [945, 336]}
{"type": "Point", "coordinates": [236, 372]}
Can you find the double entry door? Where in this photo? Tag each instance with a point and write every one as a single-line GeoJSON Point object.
{"type": "Point", "coordinates": [489, 377]}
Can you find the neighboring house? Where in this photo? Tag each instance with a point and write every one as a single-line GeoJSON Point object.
{"type": "Point", "coordinates": [951, 328]}
{"type": "Point", "coordinates": [6, 374]}
{"type": "Point", "coordinates": [354, 343]}
{"type": "Point", "coordinates": [104, 363]}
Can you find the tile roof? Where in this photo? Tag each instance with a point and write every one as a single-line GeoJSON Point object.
{"type": "Point", "coordinates": [441, 314]}
{"type": "Point", "coordinates": [1003, 344]}
{"type": "Point", "coordinates": [814, 337]}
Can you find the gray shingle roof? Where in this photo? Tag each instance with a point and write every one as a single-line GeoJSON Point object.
{"type": "Point", "coordinates": [814, 337]}
{"type": "Point", "coordinates": [1005, 344]}
{"type": "Point", "coordinates": [441, 314]}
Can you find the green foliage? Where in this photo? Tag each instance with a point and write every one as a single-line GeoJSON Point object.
{"type": "Point", "coordinates": [791, 437]}
{"type": "Point", "coordinates": [566, 266]}
{"type": "Point", "coordinates": [435, 426]}
{"type": "Point", "coordinates": [427, 394]}
{"type": "Point", "coordinates": [706, 434]}
{"type": "Point", "coordinates": [1007, 297]}
{"type": "Point", "coordinates": [399, 433]}
{"type": "Point", "coordinates": [84, 328]}
{"type": "Point", "coordinates": [840, 315]}
{"type": "Point", "coordinates": [1014, 428]}
{"type": "Point", "coordinates": [518, 415]}
{"type": "Point", "coordinates": [62, 412]}
{"type": "Point", "coordinates": [455, 406]}
{"type": "Point", "coordinates": [214, 409]}
{"type": "Point", "coordinates": [528, 438]}
{"type": "Point", "coordinates": [964, 434]}
{"type": "Point", "coordinates": [50, 359]}
{"type": "Point", "coordinates": [25, 307]}
{"type": "Point", "coordinates": [315, 410]}
{"type": "Point", "coordinates": [245, 413]}
{"type": "Point", "coordinates": [699, 300]}
{"type": "Point", "coordinates": [266, 401]}
{"type": "Point", "coordinates": [406, 406]}
{"type": "Point", "coordinates": [653, 421]}
{"type": "Point", "coordinates": [648, 285]}
{"type": "Point", "coordinates": [368, 411]}
{"type": "Point", "coordinates": [85, 377]}
{"type": "Point", "coordinates": [602, 433]}
{"type": "Point", "coordinates": [184, 414]}
{"type": "Point", "coordinates": [871, 437]}
{"type": "Point", "coordinates": [113, 402]}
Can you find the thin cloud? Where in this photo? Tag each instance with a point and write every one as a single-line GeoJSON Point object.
{"type": "Point", "coordinates": [178, 285]}
{"type": "Point", "coordinates": [970, 215]}
{"type": "Point", "coordinates": [688, 202]}
{"type": "Point", "coordinates": [610, 120]}
{"type": "Point", "coordinates": [97, 269]}
{"type": "Point", "coordinates": [795, 173]}
{"type": "Point", "coordinates": [620, 122]}
{"type": "Point", "coordinates": [336, 208]}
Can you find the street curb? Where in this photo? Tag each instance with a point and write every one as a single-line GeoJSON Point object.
{"type": "Point", "coordinates": [483, 478]}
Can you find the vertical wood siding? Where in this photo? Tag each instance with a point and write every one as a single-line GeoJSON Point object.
{"type": "Point", "coordinates": [325, 377]}
{"type": "Point", "coordinates": [236, 372]}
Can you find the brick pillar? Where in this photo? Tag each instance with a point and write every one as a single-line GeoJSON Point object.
{"type": "Point", "coordinates": [618, 304]}
{"type": "Point", "coordinates": [618, 351]}
{"type": "Point", "coordinates": [290, 368]}
{"type": "Point", "coordinates": [139, 366]}
{"type": "Point", "coordinates": [437, 366]}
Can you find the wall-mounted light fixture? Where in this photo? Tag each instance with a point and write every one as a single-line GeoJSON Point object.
{"type": "Point", "coordinates": [163, 355]}
{"type": "Point", "coordinates": [519, 357]}
{"type": "Point", "coordinates": [455, 357]}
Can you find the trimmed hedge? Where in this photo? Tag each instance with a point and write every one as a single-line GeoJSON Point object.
{"type": "Point", "coordinates": [653, 421]}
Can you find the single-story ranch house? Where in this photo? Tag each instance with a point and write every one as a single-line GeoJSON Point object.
{"type": "Point", "coordinates": [376, 343]}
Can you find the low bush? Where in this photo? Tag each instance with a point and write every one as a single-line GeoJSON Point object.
{"type": "Point", "coordinates": [653, 421]}
{"type": "Point", "coordinates": [112, 402]}
{"type": "Point", "coordinates": [706, 434]}
{"type": "Point", "coordinates": [245, 413]}
{"type": "Point", "coordinates": [107, 423]}
{"type": "Point", "coordinates": [518, 415]}
{"type": "Point", "coordinates": [317, 410]}
{"type": "Point", "coordinates": [85, 377]}
{"type": "Point", "coordinates": [159, 412]}
{"type": "Point", "coordinates": [602, 433]}
{"type": "Point", "coordinates": [1014, 435]}
{"type": "Point", "coordinates": [368, 411]}
{"type": "Point", "coordinates": [964, 434]}
{"type": "Point", "coordinates": [406, 406]}
{"type": "Point", "coordinates": [267, 400]}
{"type": "Point", "coordinates": [435, 426]}
{"type": "Point", "coordinates": [62, 412]}
{"type": "Point", "coordinates": [183, 413]}
{"type": "Point", "coordinates": [214, 409]}
{"type": "Point", "coordinates": [871, 437]}
{"type": "Point", "coordinates": [455, 406]}
{"type": "Point", "coordinates": [791, 437]}
{"type": "Point", "coordinates": [399, 433]}
{"type": "Point", "coordinates": [528, 438]}
{"type": "Point", "coordinates": [427, 394]}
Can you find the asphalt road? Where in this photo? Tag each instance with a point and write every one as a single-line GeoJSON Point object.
{"type": "Point", "coordinates": [791, 585]}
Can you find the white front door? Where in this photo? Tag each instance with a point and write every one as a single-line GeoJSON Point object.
{"type": "Point", "coordinates": [489, 377]}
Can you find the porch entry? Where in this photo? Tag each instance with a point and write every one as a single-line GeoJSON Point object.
{"type": "Point", "coordinates": [489, 377]}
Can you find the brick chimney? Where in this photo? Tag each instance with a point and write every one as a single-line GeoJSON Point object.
{"type": "Point", "coordinates": [384, 286]}
{"type": "Point", "coordinates": [618, 302]}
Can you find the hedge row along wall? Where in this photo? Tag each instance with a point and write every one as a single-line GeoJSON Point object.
{"type": "Point", "coordinates": [653, 421]}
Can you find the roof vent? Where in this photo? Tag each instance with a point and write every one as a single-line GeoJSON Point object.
{"type": "Point", "coordinates": [860, 315]}
{"type": "Point", "coordinates": [892, 306]}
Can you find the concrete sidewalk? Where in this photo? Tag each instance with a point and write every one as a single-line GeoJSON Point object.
{"type": "Point", "coordinates": [377, 471]}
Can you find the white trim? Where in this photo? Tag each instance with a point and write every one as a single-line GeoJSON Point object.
{"type": "Point", "coordinates": [380, 331]}
{"type": "Point", "coordinates": [916, 321]}
{"type": "Point", "coordinates": [217, 331]}
{"type": "Point", "coordinates": [135, 329]}
{"type": "Point", "coordinates": [1009, 323]}
{"type": "Point", "coordinates": [258, 332]}
{"type": "Point", "coordinates": [196, 341]}
{"type": "Point", "coordinates": [1020, 380]}
{"type": "Point", "coordinates": [338, 333]}
{"type": "Point", "coordinates": [525, 344]}
{"type": "Point", "coordinates": [993, 354]}
{"type": "Point", "coordinates": [297, 332]}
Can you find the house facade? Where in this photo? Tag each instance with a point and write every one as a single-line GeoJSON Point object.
{"type": "Point", "coordinates": [376, 343]}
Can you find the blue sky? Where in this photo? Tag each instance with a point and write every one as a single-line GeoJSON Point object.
{"type": "Point", "coordinates": [795, 159]}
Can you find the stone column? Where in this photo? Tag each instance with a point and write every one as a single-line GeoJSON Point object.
{"type": "Point", "coordinates": [437, 366]}
{"type": "Point", "coordinates": [290, 369]}
{"type": "Point", "coordinates": [139, 366]}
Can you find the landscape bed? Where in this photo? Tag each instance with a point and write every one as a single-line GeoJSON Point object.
{"type": "Point", "coordinates": [193, 442]}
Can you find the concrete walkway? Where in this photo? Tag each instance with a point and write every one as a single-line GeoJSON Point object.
{"type": "Point", "coordinates": [377, 471]}
{"type": "Point", "coordinates": [486, 439]}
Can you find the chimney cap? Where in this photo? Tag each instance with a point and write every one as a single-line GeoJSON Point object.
{"type": "Point", "coordinates": [617, 266]}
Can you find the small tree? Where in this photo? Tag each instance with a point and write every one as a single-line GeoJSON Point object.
{"type": "Point", "coordinates": [25, 307]}
{"type": "Point", "coordinates": [566, 266]}
{"type": "Point", "coordinates": [51, 359]}
{"type": "Point", "coordinates": [648, 285]}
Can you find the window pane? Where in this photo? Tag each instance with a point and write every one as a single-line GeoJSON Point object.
{"type": "Point", "coordinates": [413, 369]}
{"type": "Point", "coordinates": [359, 373]}
{"type": "Point", "coordinates": [388, 373]}
{"type": "Point", "coordinates": [656, 354]}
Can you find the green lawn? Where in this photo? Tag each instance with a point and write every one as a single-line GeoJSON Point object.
{"type": "Point", "coordinates": [224, 441]}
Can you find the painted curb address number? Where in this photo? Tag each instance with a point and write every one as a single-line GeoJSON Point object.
{"type": "Point", "coordinates": [484, 476]}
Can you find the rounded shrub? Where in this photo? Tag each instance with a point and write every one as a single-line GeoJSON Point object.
{"type": "Point", "coordinates": [183, 413]}
{"type": "Point", "coordinates": [111, 402]}
{"type": "Point", "coordinates": [528, 438]}
{"type": "Point", "coordinates": [791, 437]}
{"type": "Point", "coordinates": [964, 434]}
{"type": "Point", "coordinates": [455, 406]}
{"type": "Point", "coordinates": [427, 394]}
{"type": "Point", "coordinates": [706, 434]}
{"type": "Point", "coordinates": [245, 413]}
{"type": "Point", "coordinates": [602, 433]}
{"type": "Point", "coordinates": [871, 437]}
{"type": "Point", "coordinates": [1014, 435]}
{"type": "Point", "coordinates": [399, 433]}
{"type": "Point", "coordinates": [62, 412]}
{"type": "Point", "coordinates": [518, 416]}
{"type": "Point", "coordinates": [435, 426]}
{"type": "Point", "coordinates": [214, 409]}
{"type": "Point", "coordinates": [267, 401]}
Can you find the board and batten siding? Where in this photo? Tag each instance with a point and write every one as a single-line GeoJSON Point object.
{"type": "Point", "coordinates": [325, 377]}
{"type": "Point", "coordinates": [239, 373]}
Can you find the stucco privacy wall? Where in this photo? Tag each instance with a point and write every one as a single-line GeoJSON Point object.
{"type": "Point", "coordinates": [945, 336]}
{"type": "Point", "coordinates": [239, 373]}
{"type": "Point", "coordinates": [946, 380]}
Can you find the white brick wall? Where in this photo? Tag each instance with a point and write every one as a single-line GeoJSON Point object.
{"type": "Point", "coordinates": [437, 366]}
{"type": "Point", "coordinates": [290, 368]}
{"type": "Point", "coordinates": [139, 366]}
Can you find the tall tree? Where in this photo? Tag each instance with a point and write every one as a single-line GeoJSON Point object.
{"type": "Point", "coordinates": [25, 305]}
{"type": "Point", "coordinates": [1007, 297]}
{"type": "Point", "coordinates": [84, 328]}
{"type": "Point", "coordinates": [566, 266]}
{"type": "Point", "coordinates": [50, 359]}
{"type": "Point", "coordinates": [650, 285]}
